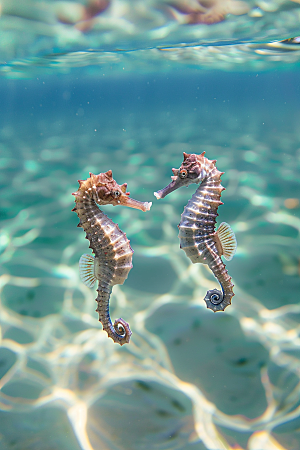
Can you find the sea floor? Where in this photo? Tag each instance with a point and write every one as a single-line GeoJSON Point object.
{"type": "Point", "coordinates": [189, 379]}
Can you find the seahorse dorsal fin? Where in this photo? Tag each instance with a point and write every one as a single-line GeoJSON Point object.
{"type": "Point", "coordinates": [86, 270]}
{"type": "Point", "coordinates": [227, 240]}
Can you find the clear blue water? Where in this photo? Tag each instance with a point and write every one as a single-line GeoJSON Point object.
{"type": "Point", "coordinates": [189, 379]}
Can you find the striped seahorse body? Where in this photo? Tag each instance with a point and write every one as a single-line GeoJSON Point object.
{"type": "Point", "coordinates": [113, 253]}
{"type": "Point", "coordinates": [198, 238]}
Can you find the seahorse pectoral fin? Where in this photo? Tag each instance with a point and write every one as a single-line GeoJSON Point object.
{"type": "Point", "coordinates": [87, 270]}
{"type": "Point", "coordinates": [227, 240]}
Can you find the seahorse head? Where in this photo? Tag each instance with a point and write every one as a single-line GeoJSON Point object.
{"type": "Point", "coordinates": [106, 191]}
{"type": "Point", "coordinates": [192, 170]}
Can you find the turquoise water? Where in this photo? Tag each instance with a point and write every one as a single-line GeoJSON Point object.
{"type": "Point", "coordinates": [189, 379]}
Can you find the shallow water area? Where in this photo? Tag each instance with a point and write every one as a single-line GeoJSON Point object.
{"type": "Point", "coordinates": [189, 379]}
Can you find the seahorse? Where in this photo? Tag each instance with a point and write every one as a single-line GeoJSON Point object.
{"type": "Point", "coordinates": [197, 234]}
{"type": "Point", "coordinates": [113, 253]}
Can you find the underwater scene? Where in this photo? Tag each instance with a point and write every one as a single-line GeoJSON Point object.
{"type": "Point", "coordinates": [203, 282]}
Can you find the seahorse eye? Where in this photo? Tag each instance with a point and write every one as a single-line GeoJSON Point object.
{"type": "Point", "coordinates": [183, 173]}
{"type": "Point", "coordinates": [116, 194]}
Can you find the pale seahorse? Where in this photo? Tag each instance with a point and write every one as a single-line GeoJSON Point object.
{"type": "Point", "coordinates": [113, 253]}
{"type": "Point", "coordinates": [197, 234]}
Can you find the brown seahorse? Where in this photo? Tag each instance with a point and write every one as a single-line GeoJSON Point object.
{"type": "Point", "coordinates": [198, 238]}
{"type": "Point", "coordinates": [113, 253]}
